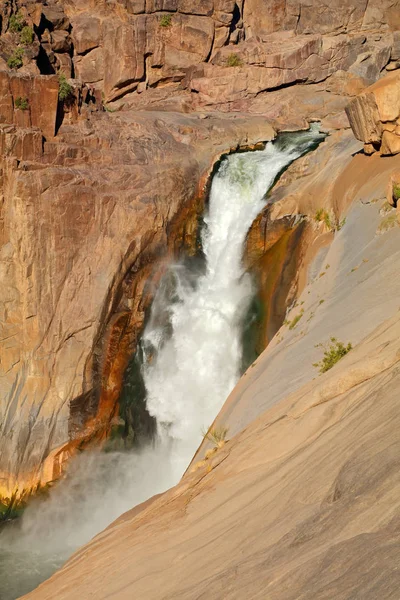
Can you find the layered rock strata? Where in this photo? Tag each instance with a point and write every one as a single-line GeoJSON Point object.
{"type": "Point", "coordinates": [84, 225]}
{"type": "Point", "coordinates": [374, 116]}
{"type": "Point", "coordinates": [100, 182]}
{"type": "Point", "coordinates": [302, 501]}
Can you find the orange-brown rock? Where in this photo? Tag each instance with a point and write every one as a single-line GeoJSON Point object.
{"type": "Point", "coordinates": [41, 94]}
{"type": "Point", "coordinates": [303, 500]}
{"type": "Point", "coordinates": [85, 216]}
{"type": "Point", "coordinates": [82, 227]}
{"type": "Point", "coordinates": [374, 113]}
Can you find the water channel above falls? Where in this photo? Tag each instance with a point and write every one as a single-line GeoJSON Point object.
{"type": "Point", "coordinates": [191, 353]}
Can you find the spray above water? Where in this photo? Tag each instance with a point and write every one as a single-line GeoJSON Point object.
{"type": "Point", "coordinates": [192, 349]}
{"type": "Point", "coordinates": [194, 339]}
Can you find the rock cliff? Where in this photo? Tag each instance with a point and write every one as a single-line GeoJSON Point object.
{"type": "Point", "coordinates": [103, 172]}
{"type": "Point", "coordinates": [302, 501]}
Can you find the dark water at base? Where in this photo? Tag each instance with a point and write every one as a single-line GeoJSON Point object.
{"type": "Point", "coordinates": [22, 571]}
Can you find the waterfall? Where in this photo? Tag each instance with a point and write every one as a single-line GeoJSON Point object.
{"type": "Point", "coordinates": [193, 340]}
{"type": "Point", "coordinates": [192, 350]}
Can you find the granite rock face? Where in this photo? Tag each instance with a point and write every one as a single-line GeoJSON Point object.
{"type": "Point", "coordinates": [85, 223]}
{"type": "Point", "coordinates": [302, 501]}
{"type": "Point", "coordinates": [374, 116]}
{"type": "Point", "coordinates": [97, 187]}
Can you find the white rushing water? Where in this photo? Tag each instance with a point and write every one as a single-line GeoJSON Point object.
{"type": "Point", "coordinates": [197, 363]}
{"type": "Point", "coordinates": [193, 354]}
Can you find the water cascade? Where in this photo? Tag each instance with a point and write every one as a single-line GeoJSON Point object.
{"type": "Point", "coordinates": [192, 358]}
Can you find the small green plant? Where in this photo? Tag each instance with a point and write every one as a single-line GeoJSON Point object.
{"type": "Point", "coordinates": [328, 220]}
{"type": "Point", "coordinates": [166, 21]}
{"type": "Point", "coordinates": [26, 36]}
{"type": "Point", "coordinates": [15, 61]}
{"type": "Point", "coordinates": [396, 191]}
{"type": "Point", "coordinates": [234, 60]}
{"type": "Point", "coordinates": [296, 320]}
{"type": "Point", "coordinates": [21, 103]}
{"type": "Point", "coordinates": [65, 91]}
{"type": "Point", "coordinates": [321, 301]}
{"type": "Point", "coordinates": [341, 224]}
{"type": "Point", "coordinates": [332, 354]}
{"type": "Point", "coordinates": [323, 215]}
{"type": "Point", "coordinates": [17, 22]}
{"type": "Point", "coordinates": [216, 435]}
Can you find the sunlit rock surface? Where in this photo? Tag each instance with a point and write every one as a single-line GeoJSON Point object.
{"type": "Point", "coordinates": [303, 500]}
{"type": "Point", "coordinates": [96, 191]}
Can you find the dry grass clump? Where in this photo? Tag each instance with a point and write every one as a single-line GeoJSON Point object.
{"type": "Point", "coordinates": [217, 436]}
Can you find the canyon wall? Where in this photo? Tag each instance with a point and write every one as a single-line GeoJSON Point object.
{"type": "Point", "coordinates": [99, 186]}
{"type": "Point", "coordinates": [302, 499]}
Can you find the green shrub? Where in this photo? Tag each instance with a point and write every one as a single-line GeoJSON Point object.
{"type": "Point", "coordinates": [17, 22]}
{"type": "Point", "coordinates": [319, 215]}
{"type": "Point", "coordinates": [166, 21]}
{"type": "Point", "coordinates": [396, 191]}
{"type": "Point", "coordinates": [21, 103]}
{"type": "Point", "coordinates": [15, 60]}
{"type": "Point", "coordinates": [332, 354]}
{"type": "Point", "coordinates": [27, 36]}
{"type": "Point", "coordinates": [234, 60]}
{"type": "Point", "coordinates": [293, 324]}
{"type": "Point", "coordinates": [65, 91]}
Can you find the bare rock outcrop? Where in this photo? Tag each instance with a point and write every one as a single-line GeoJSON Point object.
{"type": "Point", "coordinates": [374, 116]}
{"type": "Point", "coordinates": [291, 506]}
{"type": "Point", "coordinates": [100, 180]}
{"type": "Point", "coordinates": [83, 224]}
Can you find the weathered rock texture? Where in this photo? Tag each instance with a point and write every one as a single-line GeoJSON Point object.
{"type": "Point", "coordinates": [303, 501]}
{"type": "Point", "coordinates": [92, 199]}
{"type": "Point", "coordinates": [374, 116]}
{"type": "Point", "coordinates": [83, 226]}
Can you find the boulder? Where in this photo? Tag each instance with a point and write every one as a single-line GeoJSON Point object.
{"type": "Point", "coordinates": [90, 67]}
{"type": "Point", "coordinates": [55, 17]}
{"type": "Point", "coordinates": [41, 93]}
{"type": "Point", "coordinates": [373, 114]}
{"type": "Point", "coordinates": [86, 33]}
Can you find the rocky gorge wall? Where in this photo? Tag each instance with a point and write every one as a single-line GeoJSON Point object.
{"type": "Point", "coordinates": [97, 188]}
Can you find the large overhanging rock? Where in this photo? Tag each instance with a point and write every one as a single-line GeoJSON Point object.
{"type": "Point", "coordinates": [374, 115]}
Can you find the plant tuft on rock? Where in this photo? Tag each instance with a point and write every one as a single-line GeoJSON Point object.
{"type": "Point", "coordinates": [166, 21]}
{"type": "Point", "coordinates": [234, 60]}
{"type": "Point", "coordinates": [216, 435]}
{"type": "Point", "coordinates": [65, 91]}
{"type": "Point", "coordinates": [21, 103]}
{"type": "Point", "coordinates": [15, 60]}
{"type": "Point", "coordinates": [297, 318]}
{"type": "Point", "coordinates": [17, 22]}
{"type": "Point", "coordinates": [27, 36]}
{"type": "Point", "coordinates": [332, 354]}
{"type": "Point", "coordinates": [388, 222]}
